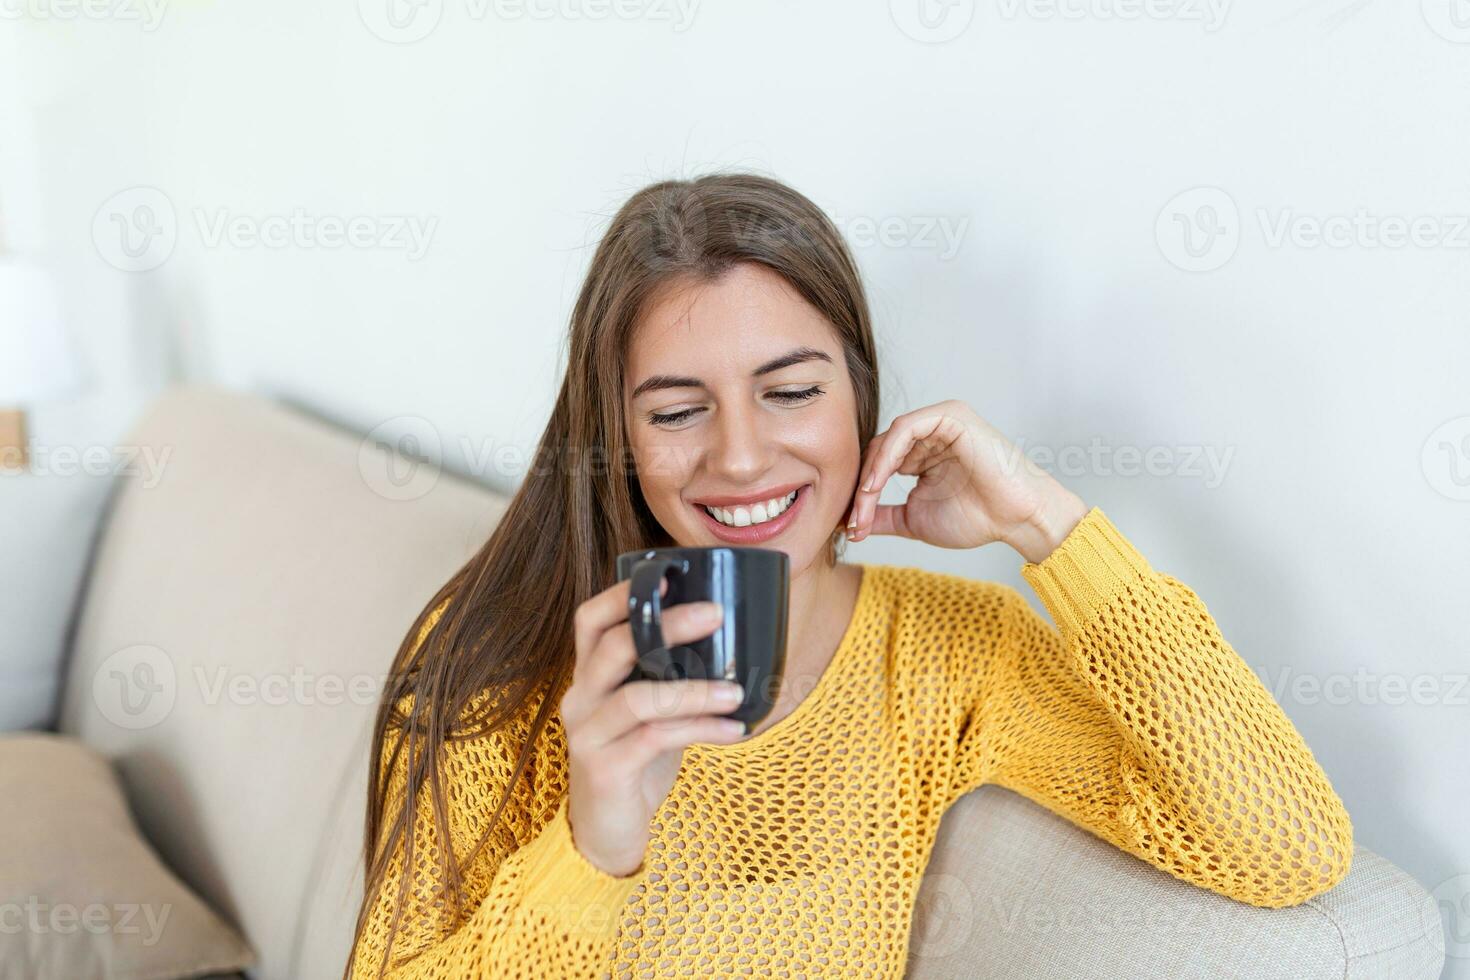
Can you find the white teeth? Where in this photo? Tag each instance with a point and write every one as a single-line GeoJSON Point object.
{"type": "Point", "coordinates": [757, 514]}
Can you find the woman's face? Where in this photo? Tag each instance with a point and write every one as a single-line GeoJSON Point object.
{"type": "Point", "coordinates": [737, 394]}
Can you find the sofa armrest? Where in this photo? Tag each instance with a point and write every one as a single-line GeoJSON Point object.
{"type": "Point", "coordinates": [1389, 924]}
{"type": "Point", "coordinates": [1012, 890]}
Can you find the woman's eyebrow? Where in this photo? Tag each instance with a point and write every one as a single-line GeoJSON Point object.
{"type": "Point", "coordinates": [797, 356]}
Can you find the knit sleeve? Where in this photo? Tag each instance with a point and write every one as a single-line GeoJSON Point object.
{"type": "Point", "coordinates": [533, 906]}
{"type": "Point", "coordinates": [1138, 722]}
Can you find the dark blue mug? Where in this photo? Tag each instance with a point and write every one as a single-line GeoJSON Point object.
{"type": "Point", "coordinates": [748, 647]}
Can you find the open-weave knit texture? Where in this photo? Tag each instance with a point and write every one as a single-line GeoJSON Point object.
{"type": "Point", "coordinates": [798, 851]}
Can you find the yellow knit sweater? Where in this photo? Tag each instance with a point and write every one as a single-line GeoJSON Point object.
{"type": "Point", "coordinates": [799, 851]}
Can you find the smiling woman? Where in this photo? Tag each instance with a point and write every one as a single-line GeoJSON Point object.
{"type": "Point", "coordinates": [730, 310]}
{"type": "Point", "coordinates": [531, 815]}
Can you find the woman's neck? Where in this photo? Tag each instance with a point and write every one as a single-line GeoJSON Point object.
{"type": "Point", "coordinates": [822, 599]}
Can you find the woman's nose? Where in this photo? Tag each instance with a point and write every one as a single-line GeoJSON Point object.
{"type": "Point", "coordinates": [743, 448]}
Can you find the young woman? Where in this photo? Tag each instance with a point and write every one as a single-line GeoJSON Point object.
{"type": "Point", "coordinates": [530, 817]}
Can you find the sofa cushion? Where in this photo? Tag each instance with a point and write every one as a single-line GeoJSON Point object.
{"type": "Point", "coordinates": [81, 893]}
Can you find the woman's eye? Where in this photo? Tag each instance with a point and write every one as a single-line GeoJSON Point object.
{"type": "Point", "coordinates": [798, 396]}
{"type": "Point", "coordinates": [674, 418]}
{"type": "Point", "coordinates": [671, 418]}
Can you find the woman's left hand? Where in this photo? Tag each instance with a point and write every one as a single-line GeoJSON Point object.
{"type": "Point", "coordinates": [975, 487]}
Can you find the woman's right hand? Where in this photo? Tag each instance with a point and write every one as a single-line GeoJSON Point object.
{"type": "Point", "coordinates": [625, 742]}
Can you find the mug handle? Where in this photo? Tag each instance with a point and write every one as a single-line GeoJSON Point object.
{"type": "Point", "coordinates": [645, 605]}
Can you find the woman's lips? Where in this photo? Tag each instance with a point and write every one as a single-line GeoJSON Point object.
{"type": "Point", "coordinates": [755, 533]}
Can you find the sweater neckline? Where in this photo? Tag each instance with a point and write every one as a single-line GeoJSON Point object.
{"type": "Point", "coordinates": [830, 674]}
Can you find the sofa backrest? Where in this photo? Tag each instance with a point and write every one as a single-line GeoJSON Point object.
{"type": "Point", "coordinates": [240, 614]}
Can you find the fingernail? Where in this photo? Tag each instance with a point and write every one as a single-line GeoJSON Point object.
{"type": "Point", "coordinates": [710, 610]}
{"type": "Point", "coordinates": [868, 485]}
{"type": "Point", "coordinates": [730, 691]}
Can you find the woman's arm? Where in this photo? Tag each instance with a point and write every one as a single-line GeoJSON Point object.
{"type": "Point", "coordinates": [1139, 723]}
{"type": "Point", "coordinates": [534, 907]}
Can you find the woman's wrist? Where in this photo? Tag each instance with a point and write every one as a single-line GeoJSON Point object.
{"type": "Point", "coordinates": [1053, 521]}
{"type": "Point", "coordinates": [611, 868]}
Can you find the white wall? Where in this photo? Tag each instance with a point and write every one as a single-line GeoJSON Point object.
{"type": "Point", "coordinates": [1330, 539]}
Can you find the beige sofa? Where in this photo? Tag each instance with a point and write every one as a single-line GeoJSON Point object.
{"type": "Point", "coordinates": [272, 572]}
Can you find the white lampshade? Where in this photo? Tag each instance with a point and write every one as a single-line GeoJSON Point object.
{"type": "Point", "coordinates": [36, 362]}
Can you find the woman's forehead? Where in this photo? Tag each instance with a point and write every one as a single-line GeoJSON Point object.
{"type": "Point", "coordinates": [749, 315]}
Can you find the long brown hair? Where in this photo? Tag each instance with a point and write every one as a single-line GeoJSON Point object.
{"type": "Point", "coordinates": [506, 625]}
